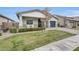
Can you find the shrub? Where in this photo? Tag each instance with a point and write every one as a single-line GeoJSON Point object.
{"type": "Point", "coordinates": [5, 30]}
{"type": "Point", "coordinates": [22, 30]}
{"type": "Point", "coordinates": [0, 34]}
{"type": "Point", "coordinates": [13, 30]}
{"type": "Point", "coordinates": [73, 26]}
{"type": "Point", "coordinates": [41, 28]}
{"type": "Point", "coordinates": [35, 29]}
{"type": "Point", "coordinates": [30, 29]}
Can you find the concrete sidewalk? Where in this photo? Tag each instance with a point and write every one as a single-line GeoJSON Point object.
{"type": "Point", "coordinates": [67, 44]}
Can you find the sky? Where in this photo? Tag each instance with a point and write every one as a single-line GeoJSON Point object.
{"type": "Point", "coordinates": [65, 11]}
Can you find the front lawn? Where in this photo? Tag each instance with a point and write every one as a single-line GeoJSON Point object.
{"type": "Point", "coordinates": [77, 49]}
{"type": "Point", "coordinates": [29, 41]}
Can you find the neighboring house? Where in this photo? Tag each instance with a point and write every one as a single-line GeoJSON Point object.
{"type": "Point", "coordinates": [6, 23]}
{"type": "Point", "coordinates": [36, 18]}
{"type": "Point", "coordinates": [68, 22]}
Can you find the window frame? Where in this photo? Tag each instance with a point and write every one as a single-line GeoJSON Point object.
{"type": "Point", "coordinates": [29, 22]}
{"type": "Point", "coordinates": [71, 21]}
{"type": "Point", "coordinates": [78, 23]}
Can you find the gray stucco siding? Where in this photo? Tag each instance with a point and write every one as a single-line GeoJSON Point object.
{"type": "Point", "coordinates": [35, 23]}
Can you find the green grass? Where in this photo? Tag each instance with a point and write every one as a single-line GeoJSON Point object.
{"type": "Point", "coordinates": [77, 49]}
{"type": "Point", "coordinates": [29, 41]}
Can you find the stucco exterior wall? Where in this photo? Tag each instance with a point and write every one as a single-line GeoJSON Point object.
{"type": "Point", "coordinates": [61, 21]}
{"type": "Point", "coordinates": [68, 24]}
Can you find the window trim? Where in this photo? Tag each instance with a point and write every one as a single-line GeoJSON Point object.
{"type": "Point", "coordinates": [71, 21]}
{"type": "Point", "coordinates": [77, 23]}
{"type": "Point", "coordinates": [29, 22]}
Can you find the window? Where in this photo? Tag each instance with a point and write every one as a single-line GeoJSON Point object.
{"type": "Point", "coordinates": [29, 22]}
{"type": "Point", "coordinates": [71, 21]}
{"type": "Point", "coordinates": [77, 23]}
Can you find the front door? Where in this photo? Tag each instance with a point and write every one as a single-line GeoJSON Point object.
{"type": "Point", "coordinates": [39, 23]}
{"type": "Point", "coordinates": [52, 23]}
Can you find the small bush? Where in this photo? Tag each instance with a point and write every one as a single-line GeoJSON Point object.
{"type": "Point", "coordinates": [30, 29]}
{"type": "Point", "coordinates": [13, 30]}
{"type": "Point", "coordinates": [5, 30]}
{"type": "Point", "coordinates": [41, 28]}
{"type": "Point", "coordinates": [35, 29]}
{"type": "Point", "coordinates": [22, 30]}
{"type": "Point", "coordinates": [0, 34]}
{"type": "Point", "coordinates": [73, 26]}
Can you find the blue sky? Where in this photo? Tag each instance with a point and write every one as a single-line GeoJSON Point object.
{"type": "Point", "coordinates": [66, 11]}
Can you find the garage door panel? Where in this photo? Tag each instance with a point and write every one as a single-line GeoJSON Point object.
{"type": "Point", "coordinates": [52, 23]}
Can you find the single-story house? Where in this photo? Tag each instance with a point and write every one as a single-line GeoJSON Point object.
{"type": "Point", "coordinates": [6, 23]}
{"type": "Point", "coordinates": [42, 18]}
{"type": "Point", "coordinates": [68, 22]}
{"type": "Point", "coordinates": [36, 18]}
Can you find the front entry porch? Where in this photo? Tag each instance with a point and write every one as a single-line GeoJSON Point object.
{"type": "Point", "coordinates": [33, 22]}
{"type": "Point", "coordinates": [41, 23]}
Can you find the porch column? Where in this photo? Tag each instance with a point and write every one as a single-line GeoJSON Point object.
{"type": "Point", "coordinates": [75, 23]}
{"type": "Point", "coordinates": [20, 21]}
{"type": "Point", "coordinates": [45, 24]}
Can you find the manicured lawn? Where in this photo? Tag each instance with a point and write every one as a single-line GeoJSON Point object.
{"type": "Point", "coordinates": [29, 41]}
{"type": "Point", "coordinates": [77, 49]}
